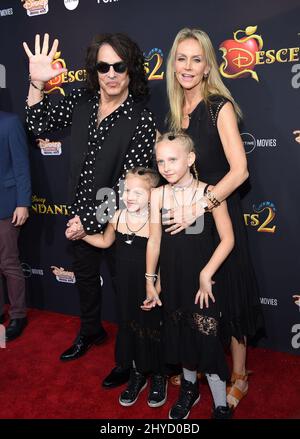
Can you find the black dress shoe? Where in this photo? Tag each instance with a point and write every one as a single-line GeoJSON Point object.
{"type": "Point", "coordinates": [15, 328]}
{"type": "Point", "coordinates": [117, 377]}
{"type": "Point", "coordinates": [82, 344]}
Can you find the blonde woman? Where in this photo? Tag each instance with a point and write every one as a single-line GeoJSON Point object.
{"type": "Point", "coordinates": [204, 108]}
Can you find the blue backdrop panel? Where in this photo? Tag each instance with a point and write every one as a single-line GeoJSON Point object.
{"type": "Point", "coordinates": [264, 77]}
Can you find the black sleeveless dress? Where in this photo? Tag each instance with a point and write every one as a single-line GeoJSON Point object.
{"type": "Point", "coordinates": [241, 309]}
{"type": "Point", "coordinates": [191, 335]}
{"type": "Point", "coordinates": [139, 333]}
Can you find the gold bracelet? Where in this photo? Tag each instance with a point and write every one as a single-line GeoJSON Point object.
{"type": "Point", "coordinates": [211, 196]}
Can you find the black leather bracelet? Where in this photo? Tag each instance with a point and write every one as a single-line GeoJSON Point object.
{"type": "Point", "coordinates": [33, 85]}
{"type": "Point", "coordinates": [39, 89]}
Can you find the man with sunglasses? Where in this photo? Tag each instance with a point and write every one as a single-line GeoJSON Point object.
{"type": "Point", "coordinates": [111, 131]}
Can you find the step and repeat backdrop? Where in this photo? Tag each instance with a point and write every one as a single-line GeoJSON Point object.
{"type": "Point", "coordinates": [263, 73]}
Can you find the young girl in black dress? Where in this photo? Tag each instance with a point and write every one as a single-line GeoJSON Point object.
{"type": "Point", "coordinates": [202, 105]}
{"type": "Point", "coordinates": [189, 261]}
{"type": "Point", "coordinates": [138, 340]}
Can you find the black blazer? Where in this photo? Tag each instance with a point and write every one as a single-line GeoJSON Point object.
{"type": "Point", "coordinates": [110, 158]}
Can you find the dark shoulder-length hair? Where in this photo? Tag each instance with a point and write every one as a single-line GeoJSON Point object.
{"type": "Point", "coordinates": [129, 52]}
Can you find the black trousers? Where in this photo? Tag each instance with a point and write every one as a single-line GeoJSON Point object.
{"type": "Point", "coordinates": [86, 267]}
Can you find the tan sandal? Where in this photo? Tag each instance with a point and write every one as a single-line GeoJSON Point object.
{"type": "Point", "coordinates": [234, 393]}
{"type": "Point", "coordinates": [176, 379]}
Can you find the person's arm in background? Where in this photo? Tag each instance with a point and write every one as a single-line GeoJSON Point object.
{"type": "Point", "coordinates": [21, 169]}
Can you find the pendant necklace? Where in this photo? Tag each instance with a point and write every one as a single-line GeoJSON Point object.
{"type": "Point", "coordinates": [130, 236]}
{"type": "Point", "coordinates": [193, 196]}
{"type": "Point", "coordinates": [183, 188]}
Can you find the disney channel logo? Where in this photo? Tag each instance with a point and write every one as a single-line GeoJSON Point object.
{"type": "Point", "coordinates": [49, 148]}
{"type": "Point", "coordinates": [244, 52]}
{"type": "Point", "coordinates": [65, 276]}
{"type": "Point", "coordinates": [62, 275]}
{"type": "Point", "coordinates": [35, 7]}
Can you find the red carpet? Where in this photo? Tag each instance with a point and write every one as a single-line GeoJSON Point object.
{"type": "Point", "coordinates": [35, 384]}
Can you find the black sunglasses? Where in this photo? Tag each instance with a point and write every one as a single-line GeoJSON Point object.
{"type": "Point", "coordinates": [103, 67]}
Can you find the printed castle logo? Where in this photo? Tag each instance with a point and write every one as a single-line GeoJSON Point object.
{"type": "Point", "coordinates": [242, 54]}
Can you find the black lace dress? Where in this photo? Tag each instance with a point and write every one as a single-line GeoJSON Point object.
{"type": "Point", "coordinates": [139, 334]}
{"type": "Point", "coordinates": [241, 309]}
{"type": "Point", "coordinates": [191, 335]}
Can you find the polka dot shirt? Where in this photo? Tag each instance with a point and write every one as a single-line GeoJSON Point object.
{"type": "Point", "coordinates": [45, 117]}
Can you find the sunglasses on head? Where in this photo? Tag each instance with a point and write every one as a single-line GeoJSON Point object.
{"type": "Point", "coordinates": [103, 67]}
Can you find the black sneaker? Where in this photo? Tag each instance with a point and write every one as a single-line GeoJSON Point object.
{"type": "Point", "coordinates": [189, 396]}
{"type": "Point", "coordinates": [222, 412]}
{"type": "Point", "coordinates": [158, 391]}
{"type": "Point", "coordinates": [137, 382]}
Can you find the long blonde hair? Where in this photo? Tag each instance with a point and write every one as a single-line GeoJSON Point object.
{"type": "Point", "coordinates": [211, 85]}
